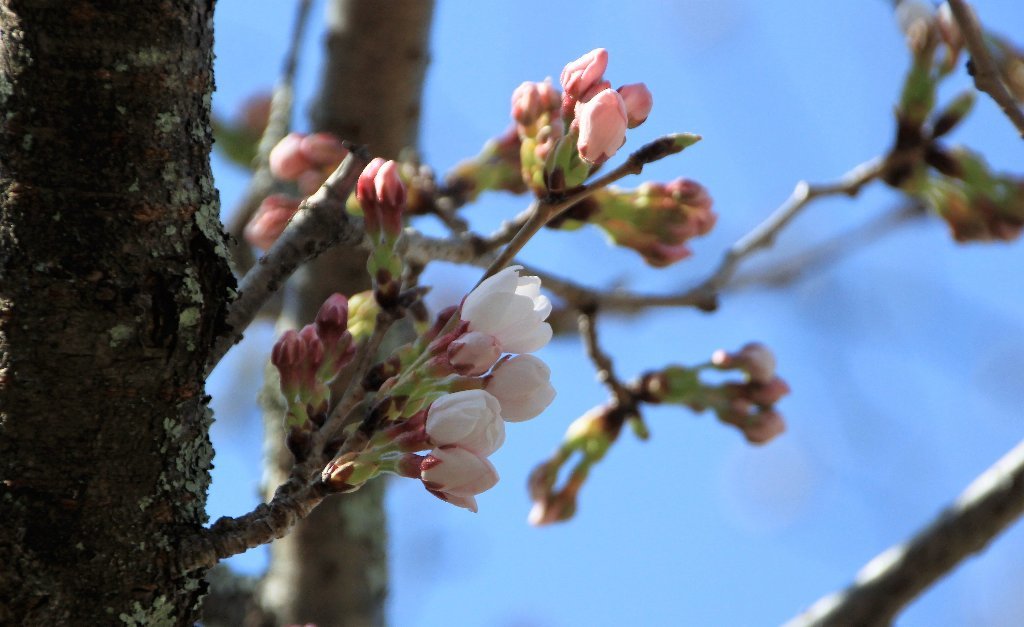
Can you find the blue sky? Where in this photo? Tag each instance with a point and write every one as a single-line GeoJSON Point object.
{"type": "Point", "coordinates": [904, 357]}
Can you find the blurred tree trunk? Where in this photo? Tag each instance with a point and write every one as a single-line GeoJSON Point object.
{"type": "Point", "coordinates": [332, 569]}
{"type": "Point", "coordinates": [112, 285]}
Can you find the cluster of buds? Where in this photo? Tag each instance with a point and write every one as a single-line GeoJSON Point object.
{"type": "Point", "coordinates": [382, 197]}
{"type": "Point", "coordinates": [657, 220]}
{"type": "Point", "coordinates": [563, 136]}
{"type": "Point", "coordinates": [600, 113]}
{"type": "Point", "coordinates": [748, 405]}
{"type": "Point", "coordinates": [451, 393]}
{"type": "Point", "coordinates": [307, 361]}
{"type": "Point", "coordinates": [588, 438]}
{"type": "Point", "coordinates": [306, 160]}
{"type": "Point", "coordinates": [977, 204]}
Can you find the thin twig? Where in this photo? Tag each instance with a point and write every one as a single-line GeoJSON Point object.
{"type": "Point", "coordinates": [320, 223]}
{"type": "Point", "coordinates": [587, 321]}
{"type": "Point", "coordinates": [704, 294]}
{"type": "Point", "coordinates": [278, 124]}
{"type": "Point", "coordinates": [986, 75]}
{"type": "Point", "coordinates": [787, 271]}
{"type": "Point", "coordinates": [895, 577]}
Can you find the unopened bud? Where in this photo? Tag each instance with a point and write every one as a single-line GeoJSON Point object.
{"type": "Point", "coordinates": [473, 353]}
{"type": "Point", "coordinates": [639, 101]}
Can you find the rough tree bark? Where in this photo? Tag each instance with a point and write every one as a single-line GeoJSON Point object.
{"type": "Point", "coordinates": [332, 568]}
{"type": "Point", "coordinates": [113, 284]}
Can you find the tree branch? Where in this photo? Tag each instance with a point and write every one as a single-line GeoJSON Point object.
{"type": "Point", "coordinates": [895, 577]}
{"type": "Point", "coordinates": [292, 502]}
{"type": "Point", "coordinates": [986, 76]}
{"type": "Point", "coordinates": [703, 295]}
{"type": "Point", "coordinates": [278, 123]}
{"type": "Point", "coordinates": [320, 223]}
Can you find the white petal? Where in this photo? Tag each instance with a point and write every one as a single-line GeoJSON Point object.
{"type": "Point", "coordinates": [527, 339]}
{"type": "Point", "coordinates": [504, 281]}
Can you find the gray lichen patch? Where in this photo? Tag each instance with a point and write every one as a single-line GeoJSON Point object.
{"type": "Point", "coordinates": [119, 334]}
{"type": "Point", "coordinates": [161, 612]}
{"type": "Point", "coordinates": [167, 122]}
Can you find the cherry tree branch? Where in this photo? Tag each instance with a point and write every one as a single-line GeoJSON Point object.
{"type": "Point", "coordinates": [895, 577]}
{"type": "Point", "coordinates": [278, 123]}
{"type": "Point", "coordinates": [546, 209]}
{"type": "Point", "coordinates": [986, 75]}
{"type": "Point", "coordinates": [702, 295]}
{"type": "Point", "coordinates": [320, 223]}
{"type": "Point", "coordinates": [602, 361]}
{"type": "Point", "coordinates": [292, 502]}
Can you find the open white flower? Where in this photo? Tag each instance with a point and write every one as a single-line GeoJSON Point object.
{"type": "Point", "coordinates": [522, 385]}
{"type": "Point", "coordinates": [512, 309]}
{"type": "Point", "coordinates": [470, 419]}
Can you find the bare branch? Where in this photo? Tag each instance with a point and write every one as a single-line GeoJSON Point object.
{"type": "Point", "coordinates": [602, 362]}
{"type": "Point", "coordinates": [230, 536]}
{"type": "Point", "coordinates": [986, 76]}
{"type": "Point", "coordinates": [826, 253]}
{"type": "Point", "coordinates": [895, 577]}
{"type": "Point", "coordinates": [320, 223]}
{"type": "Point", "coordinates": [704, 294]}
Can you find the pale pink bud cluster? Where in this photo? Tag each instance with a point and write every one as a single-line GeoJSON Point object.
{"type": "Point", "coordinates": [601, 113]}
{"type": "Point", "coordinates": [657, 220]}
{"type": "Point", "coordinates": [307, 159]}
{"type": "Point", "coordinates": [382, 195]}
{"type": "Point", "coordinates": [602, 123]}
{"type": "Point", "coordinates": [750, 406]}
{"type": "Point", "coordinates": [638, 101]}
{"type": "Point", "coordinates": [532, 101]}
{"type": "Point", "coordinates": [270, 220]}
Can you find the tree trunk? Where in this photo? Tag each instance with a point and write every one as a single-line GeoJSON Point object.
{"type": "Point", "coordinates": [332, 569]}
{"type": "Point", "coordinates": [113, 283]}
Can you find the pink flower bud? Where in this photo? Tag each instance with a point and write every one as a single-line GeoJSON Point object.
{"type": "Point", "coordinates": [638, 101]}
{"type": "Point", "coordinates": [270, 221]}
{"type": "Point", "coordinates": [758, 361]}
{"type": "Point", "coordinates": [366, 194]}
{"type": "Point", "coordinates": [512, 309]}
{"type": "Point", "coordinates": [288, 355]}
{"type": "Point", "coordinates": [594, 90]}
{"type": "Point", "coordinates": [388, 185]}
{"type": "Point", "coordinates": [455, 475]}
{"type": "Point", "coordinates": [764, 427]}
{"type": "Point", "coordinates": [314, 347]}
{"type": "Point", "coordinates": [287, 160]}
{"type": "Point", "coordinates": [602, 123]}
{"type": "Point", "coordinates": [391, 195]}
{"type": "Point", "coordinates": [532, 100]}
{"type": "Point", "coordinates": [332, 318]}
{"type": "Point", "coordinates": [580, 75]}
{"type": "Point", "coordinates": [522, 385]}
{"type": "Point", "coordinates": [470, 420]}
{"type": "Point", "coordinates": [474, 353]}
{"type": "Point", "coordinates": [323, 150]}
